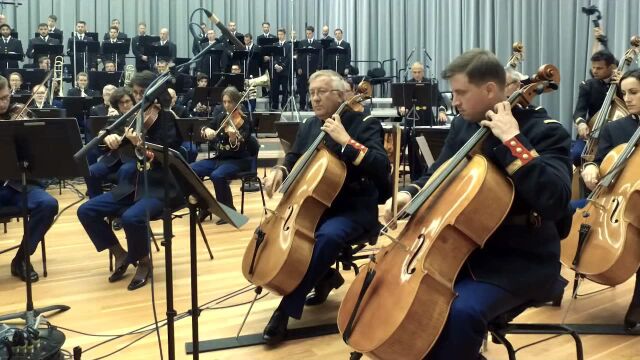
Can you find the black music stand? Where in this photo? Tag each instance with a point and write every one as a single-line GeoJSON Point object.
{"type": "Point", "coordinates": [119, 50]}
{"type": "Point", "coordinates": [307, 52]}
{"type": "Point", "coordinates": [5, 58]}
{"type": "Point", "coordinates": [324, 45]}
{"type": "Point", "coordinates": [32, 149]}
{"type": "Point", "coordinates": [46, 49]}
{"type": "Point", "coordinates": [157, 51]}
{"type": "Point", "coordinates": [198, 197]}
{"type": "Point", "coordinates": [338, 52]}
{"type": "Point", "coordinates": [79, 107]}
{"type": "Point", "coordinates": [20, 98]}
{"type": "Point", "coordinates": [14, 34]}
{"type": "Point", "coordinates": [213, 55]}
{"type": "Point", "coordinates": [93, 35]}
{"type": "Point", "coordinates": [267, 41]}
{"type": "Point", "coordinates": [410, 95]}
{"type": "Point", "coordinates": [179, 61]}
{"type": "Point", "coordinates": [227, 79]}
{"type": "Point", "coordinates": [83, 48]}
{"type": "Point", "coordinates": [30, 77]}
{"type": "Point", "coordinates": [189, 128]}
{"type": "Point", "coordinates": [99, 79]}
{"type": "Point", "coordinates": [49, 112]}
{"type": "Point", "coordinates": [95, 124]}
{"type": "Point", "coordinates": [241, 57]}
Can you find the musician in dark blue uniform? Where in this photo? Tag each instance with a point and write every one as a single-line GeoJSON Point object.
{"type": "Point", "coordinates": [42, 206]}
{"type": "Point", "coordinates": [131, 202]}
{"type": "Point", "coordinates": [613, 134]}
{"type": "Point", "coordinates": [591, 94]}
{"type": "Point", "coordinates": [358, 141]}
{"type": "Point", "coordinates": [520, 261]}
{"type": "Point", "coordinates": [231, 147]}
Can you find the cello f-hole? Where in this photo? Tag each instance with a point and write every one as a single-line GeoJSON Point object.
{"type": "Point", "coordinates": [285, 225]}
{"type": "Point", "coordinates": [411, 268]}
{"type": "Point", "coordinates": [614, 214]}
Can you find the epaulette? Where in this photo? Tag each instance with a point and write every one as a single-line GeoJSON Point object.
{"type": "Point", "coordinates": [551, 121]}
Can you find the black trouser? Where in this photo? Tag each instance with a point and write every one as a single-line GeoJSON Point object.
{"type": "Point", "coordinates": [280, 86]}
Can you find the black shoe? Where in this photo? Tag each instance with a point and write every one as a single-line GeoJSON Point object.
{"type": "Point", "coordinates": [632, 320]}
{"type": "Point", "coordinates": [139, 281]}
{"type": "Point", "coordinates": [276, 329]}
{"type": "Point", "coordinates": [19, 269]}
{"type": "Point", "coordinates": [332, 280]}
{"type": "Point", "coordinates": [203, 214]}
{"type": "Point", "coordinates": [121, 269]}
{"type": "Point", "coordinates": [116, 224]}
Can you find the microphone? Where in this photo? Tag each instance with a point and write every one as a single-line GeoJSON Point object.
{"type": "Point", "coordinates": [427, 54]}
{"type": "Point", "coordinates": [214, 19]}
{"type": "Point", "coordinates": [410, 54]}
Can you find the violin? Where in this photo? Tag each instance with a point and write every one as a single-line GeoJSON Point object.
{"type": "Point", "coordinates": [18, 111]}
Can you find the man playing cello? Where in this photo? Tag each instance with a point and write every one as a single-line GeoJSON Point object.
{"type": "Point", "coordinates": [520, 262]}
{"type": "Point", "coordinates": [358, 142]}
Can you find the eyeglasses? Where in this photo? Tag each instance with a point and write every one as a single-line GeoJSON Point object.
{"type": "Point", "coordinates": [320, 92]}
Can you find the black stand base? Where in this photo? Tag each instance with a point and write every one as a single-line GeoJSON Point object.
{"type": "Point", "coordinates": [51, 341]}
{"type": "Point", "coordinates": [256, 339]}
{"type": "Point", "coordinates": [23, 314]}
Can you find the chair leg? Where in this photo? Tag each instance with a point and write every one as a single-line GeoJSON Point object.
{"type": "Point", "coordinates": [204, 238]}
{"type": "Point", "coordinates": [155, 242]}
{"type": "Point", "coordinates": [44, 258]}
{"type": "Point", "coordinates": [110, 261]}
{"type": "Point", "coordinates": [242, 198]}
{"type": "Point", "coordinates": [503, 340]}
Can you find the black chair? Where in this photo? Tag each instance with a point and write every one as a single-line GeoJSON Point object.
{"type": "Point", "coordinates": [349, 254]}
{"type": "Point", "coordinates": [503, 325]}
{"type": "Point", "coordinates": [14, 212]}
{"type": "Point", "coordinates": [250, 176]}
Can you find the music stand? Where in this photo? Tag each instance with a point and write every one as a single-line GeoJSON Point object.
{"type": "Point", "coordinates": [93, 35]}
{"type": "Point", "coordinates": [157, 51]}
{"type": "Point", "coordinates": [212, 54]}
{"type": "Point", "coordinates": [99, 79]}
{"type": "Point", "coordinates": [95, 124]}
{"type": "Point", "coordinates": [32, 149]}
{"type": "Point", "coordinates": [324, 45]}
{"type": "Point", "coordinates": [119, 49]}
{"type": "Point", "coordinates": [14, 34]}
{"type": "Point", "coordinates": [79, 107]}
{"type": "Point", "coordinates": [198, 197]}
{"type": "Point", "coordinates": [410, 95]}
{"type": "Point", "coordinates": [241, 56]}
{"type": "Point", "coordinates": [208, 96]}
{"type": "Point", "coordinates": [337, 52]}
{"type": "Point", "coordinates": [50, 112]}
{"type": "Point", "coordinates": [46, 49]}
{"type": "Point", "coordinates": [179, 61]}
{"type": "Point", "coordinates": [189, 128]}
{"type": "Point", "coordinates": [20, 98]}
{"type": "Point", "coordinates": [8, 57]}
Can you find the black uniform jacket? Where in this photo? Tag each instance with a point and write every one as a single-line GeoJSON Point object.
{"type": "Point", "coordinates": [367, 183]}
{"type": "Point", "coordinates": [522, 258]}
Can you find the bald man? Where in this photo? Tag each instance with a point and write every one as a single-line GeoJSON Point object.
{"type": "Point", "coordinates": [164, 41]}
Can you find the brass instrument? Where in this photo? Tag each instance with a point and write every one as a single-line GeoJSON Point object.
{"type": "Point", "coordinates": [129, 71]}
{"type": "Point", "coordinates": [251, 84]}
{"type": "Point", "coordinates": [56, 77]}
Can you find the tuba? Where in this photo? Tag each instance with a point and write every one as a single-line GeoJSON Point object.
{"type": "Point", "coordinates": [251, 84]}
{"type": "Point", "coordinates": [56, 77]}
{"type": "Point", "coordinates": [129, 71]}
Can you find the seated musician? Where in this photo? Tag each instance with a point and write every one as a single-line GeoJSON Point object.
{"type": "Point", "coordinates": [231, 146]}
{"type": "Point", "coordinates": [198, 109]}
{"type": "Point", "coordinates": [121, 99]}
{"type": "Point", "coordinates": [105, 108]}
{"type": "Point", "coordinates": [42, 206]}
{"type": "Point", "coordinates": [520, 261]}
{"type": "Point", "coordinates": [15, 84]}
{"type": "Point", "coordinates": [425, 115]}
{"type": "Point", "coordinates": [109, 66]}
{"type": "Point", "coordinates": [131, 201]}
{"type": "Point", "coordinates": [40, 97]}
{"type": "Point", "coordinates": [613, 134]}
{"type": "Point", "coordinates": [82, 87]}
{"type": "Point", "coordinates": [358, 142]}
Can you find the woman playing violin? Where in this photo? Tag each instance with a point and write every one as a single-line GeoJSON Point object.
{"type": "Point", "coordinates": [357, 141]}
{"type": "Point", "coordinates": [229, 133]}
{"type": "Point", "coordinates": [131, 201]}
{"type": "Point", "coordinates": [614, 133]}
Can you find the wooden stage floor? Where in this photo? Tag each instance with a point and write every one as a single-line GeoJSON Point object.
{"type": "Point", "coordinates": [78, 278]}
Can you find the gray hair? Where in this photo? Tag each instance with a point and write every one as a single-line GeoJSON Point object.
{"type": "Point", "coordinates": [337, 82]}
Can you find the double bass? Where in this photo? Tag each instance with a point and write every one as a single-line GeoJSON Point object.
{"type": "Point", "coordinates": [517, 55]}
{"type": "Point", "coordinates": [604, 242]}
{"type": "Point", "coordinates": [279, 253]}
{"type": "Point", "coordinates": [397, 308]}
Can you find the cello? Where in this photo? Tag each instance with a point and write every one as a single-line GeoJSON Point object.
{"type": "Point", "coordinates": [613, 108]}
{"type": "Point", "coordinates": [604, 242]}
{"type": "Point", "coordinates": [279, 253]}
{"type": "Point", "coordinates": [411, 281]}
